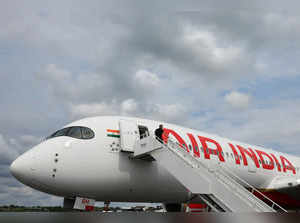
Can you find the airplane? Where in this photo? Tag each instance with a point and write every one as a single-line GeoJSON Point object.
{"type": "Point", "coordinates": [90, 160]}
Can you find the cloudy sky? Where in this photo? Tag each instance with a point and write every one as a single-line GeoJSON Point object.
{"type": "Point", "coordinates": [226, 67]}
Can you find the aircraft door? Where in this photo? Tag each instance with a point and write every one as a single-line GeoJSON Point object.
{"type": "Point", "coordinates": [129, 134]}
{"type": "Point", "coordinates": [143, 130]}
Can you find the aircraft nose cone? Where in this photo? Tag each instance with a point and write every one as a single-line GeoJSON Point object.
{"type": "Point", "coordinates": [22, 168]}
{"type": "Point", "coordinates": [16, 168]}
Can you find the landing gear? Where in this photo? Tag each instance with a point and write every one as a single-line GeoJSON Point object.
{"type": "Point", "coordinates": [173, 207]}
{"type": "Point", "coordinates": [69, 203]}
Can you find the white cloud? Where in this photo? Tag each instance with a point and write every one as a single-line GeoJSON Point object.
{"type": "Point", "coordinates": [72, 86]}
{"type": "Point", "coordinates": [275, 125]}
{"type": "Point", "coordinates": [93, 109]}
{"type": "Point", "coordinates": [168, 112]}
{"type": "Point", "coordinates": [126, 107]}
{"type": "Point", "coordinates": [29, 140]}
{"type": "Point", "coordinates": [129, 106]}
{"type": "Point", "coordinates": [11, 148]}
{"type": "Point", "coordinates": [7, 152]}
{"type": "Point", "coordinates": [146, 78]}
{"type": "Point", "coordinates": [54, 73]}
{"type": "Point", "coordinates": [238, 100]}
{"type": "Point", "coordinates": [207, 46]}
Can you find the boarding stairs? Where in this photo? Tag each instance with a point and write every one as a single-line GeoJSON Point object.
{"type": "Point", "coordinates": [220, 188]}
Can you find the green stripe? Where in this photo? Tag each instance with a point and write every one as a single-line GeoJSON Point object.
{"type": "Point", "coordinates": [111, 135]}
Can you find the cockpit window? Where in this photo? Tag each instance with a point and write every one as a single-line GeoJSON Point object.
{"type": "Point", "coordinates": [77, 132]}
{"type": "Point", "coordinates": [61, 132]}
{"type": "Point", "coordinates": [87, 133]}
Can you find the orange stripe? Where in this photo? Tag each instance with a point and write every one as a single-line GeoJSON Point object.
{"type": "Point", "coordinates": [111, 130]}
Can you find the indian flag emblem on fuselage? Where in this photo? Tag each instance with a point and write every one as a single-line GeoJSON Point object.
{"type": "Point", "coordinates": [113, 133]}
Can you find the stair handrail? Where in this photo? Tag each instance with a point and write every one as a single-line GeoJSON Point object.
{"type": "Point", "coordinates": [226, 172]}
{"type": "Point", "coordinates": [252, 189]}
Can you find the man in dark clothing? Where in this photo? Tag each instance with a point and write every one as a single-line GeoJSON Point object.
{"type": "Point", "coordinates": [159, 132]}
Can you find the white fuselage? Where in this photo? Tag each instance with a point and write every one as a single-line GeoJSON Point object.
{"type": "Point", "coordinates": [97, 168]}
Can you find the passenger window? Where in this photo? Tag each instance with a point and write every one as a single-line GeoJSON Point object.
{"type": "Point", "coordinates": [87, 133]}
{"type": "Point", "coordinates": [75, 132]}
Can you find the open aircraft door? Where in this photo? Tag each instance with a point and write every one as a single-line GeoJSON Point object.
{"type": "Point", "coordinates": [129, 134]}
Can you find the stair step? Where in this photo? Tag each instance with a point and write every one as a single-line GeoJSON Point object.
{"type": "Point", "coordinates": [220, 188]}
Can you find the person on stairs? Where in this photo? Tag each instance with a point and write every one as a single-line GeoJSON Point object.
{"type": "Point", "coordinates": [159, 132]}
